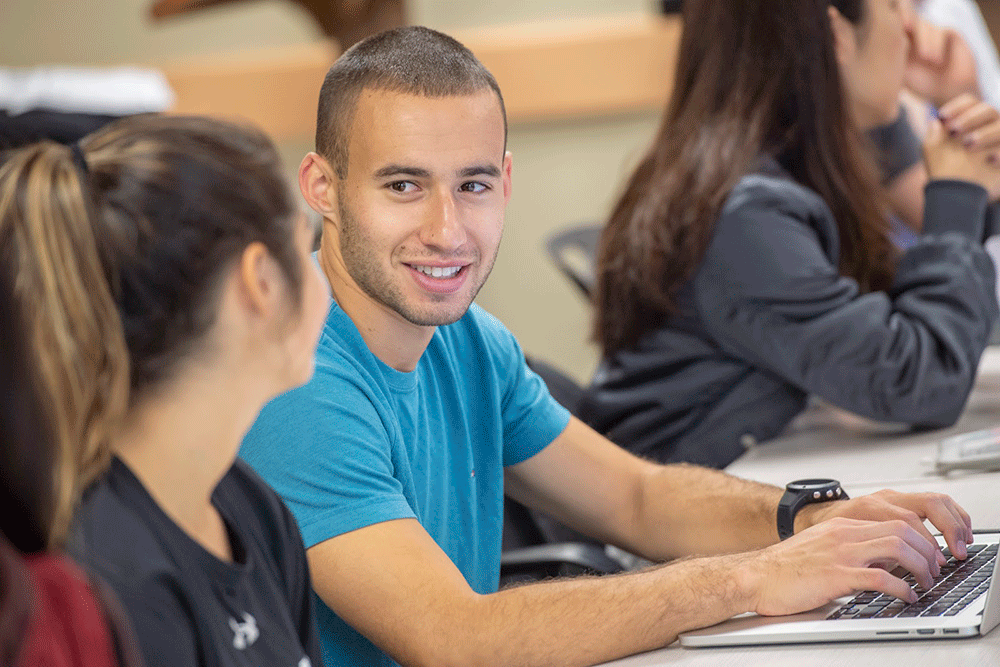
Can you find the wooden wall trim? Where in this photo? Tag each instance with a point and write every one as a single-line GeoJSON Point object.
{"type": "Point", "coordinates": [276, 89]}
{"type": "Point", "coordinates": [578, 69]}
{"type": "Point", "coordinates": [547, 71]}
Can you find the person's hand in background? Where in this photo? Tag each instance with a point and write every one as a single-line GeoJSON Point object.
{"type": "Point", "coordinates": [941, 65]}
{"type": "Point", "coordinates": [965, 144]}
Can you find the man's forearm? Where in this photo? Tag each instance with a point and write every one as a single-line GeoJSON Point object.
{"type": "Point", "coordinates": [589, 620]}
{"type": "Point", "coordinates": [687, 510]}
{"type": "Point", "coordinates": [395, 585]}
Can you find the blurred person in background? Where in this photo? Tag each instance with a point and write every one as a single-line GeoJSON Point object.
{"type": "Point", "coordinates": [749, 263]}
{"type": "Point", "coordinates": [952, 54]}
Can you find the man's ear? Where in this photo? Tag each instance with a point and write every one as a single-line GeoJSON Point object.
{"type": "Point", "coordinates": [317, 182]}
{"type": "Point", "coordinates": [845, 37]}
{"type": "Point", "coordinates": [508, 160]}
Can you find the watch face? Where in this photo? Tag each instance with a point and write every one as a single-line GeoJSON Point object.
{"type": "Point", "coordinates": [812, 484]}
{"type": "Point", "coordinates": [817, 489]}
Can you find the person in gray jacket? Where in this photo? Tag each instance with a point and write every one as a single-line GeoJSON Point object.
{"type": "Point", "coordinates": [748, 263]}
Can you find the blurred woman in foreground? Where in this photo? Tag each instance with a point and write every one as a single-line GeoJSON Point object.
{"type": "Point", "coordinates": [168, 280]}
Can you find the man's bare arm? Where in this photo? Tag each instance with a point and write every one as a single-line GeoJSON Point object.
{"type": "Point", "coordinates": [392, 583]}
{"type": "Point", "coordinates": [659, 512]}
{"type": "Point", "coordinates": [665, 512]}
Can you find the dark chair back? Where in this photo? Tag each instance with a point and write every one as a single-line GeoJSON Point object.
{"type": "Point", "coordinates": [536, 546]}
{"type": "Point", "coordinates": [574, 252]}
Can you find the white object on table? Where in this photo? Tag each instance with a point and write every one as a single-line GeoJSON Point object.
{"type": "Point", "coordinates": [113, 91]}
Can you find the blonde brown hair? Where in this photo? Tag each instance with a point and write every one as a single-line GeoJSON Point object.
{"type": "Point", "coordinates": [117, 258]}
{"type": "Point", "coordinates": [74, 332]}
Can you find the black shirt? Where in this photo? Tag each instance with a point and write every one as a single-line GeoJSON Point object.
{"type": "Point", "coordinates": [188, 607]}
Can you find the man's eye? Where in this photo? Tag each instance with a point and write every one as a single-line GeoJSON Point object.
{"type": "Point", "coordinates": [474, 187]}
{"type": "Point", "coordinates": [402, 187]}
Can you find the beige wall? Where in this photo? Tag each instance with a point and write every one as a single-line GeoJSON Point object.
{"type": "Point", "coordinates": [454, 14]}
{"type": "Point", "coordinates": [564, 173]}
{"type": "Point", "coordinates": [119, 31]}
{"type": "Point", "coordinates": [115, 31]}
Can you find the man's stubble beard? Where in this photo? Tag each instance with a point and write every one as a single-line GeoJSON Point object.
{"type": "Point", "coordinates": [363, 266]}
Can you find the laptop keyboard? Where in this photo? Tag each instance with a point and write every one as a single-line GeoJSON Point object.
{"type": "Point", "coordinates": [960, 583]}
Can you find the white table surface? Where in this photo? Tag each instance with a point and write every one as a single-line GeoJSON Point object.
{"type": "Point", "coordinates": [824, 442]}
{"type": "Point", "coordinates": [866, 457]}
{"type": "Point", "coordinates": [983, 651]}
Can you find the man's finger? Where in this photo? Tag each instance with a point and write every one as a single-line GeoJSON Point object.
{"type": "Point", "coordinates": [967, 520]}
{"type": "Point", "coordinates": [898, 533]}
{"type": "Point", "coordinates": [909, 557]}
{"type": "Point", "coordinates": [910, 509]}
{"type": "Point", "coordinates": [916, 522]}
{"type": "Point", "coordinates": [877, 579]}
{"type": "Point", "coordinates": [950, 524]}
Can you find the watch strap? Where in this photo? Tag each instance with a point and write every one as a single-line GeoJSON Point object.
{"type": "Point", "coordinates": [793, 501]}
{"type": "Point", "coordinates": [788, 509]}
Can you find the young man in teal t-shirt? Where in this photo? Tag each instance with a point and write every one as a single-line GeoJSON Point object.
{"type": "Point", "coordinates": [422, 413]}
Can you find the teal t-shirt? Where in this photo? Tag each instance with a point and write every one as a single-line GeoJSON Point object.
{"type": "Point", "coordinates": [362, 443]}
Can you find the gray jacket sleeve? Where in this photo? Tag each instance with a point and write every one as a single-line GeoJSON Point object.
{"type": "Point", "coordinates": [770, 292]}
{"type": "Point", "coordinates": [897, 147]}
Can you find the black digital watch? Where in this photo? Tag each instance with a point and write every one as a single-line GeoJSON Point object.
{"type": "Point", "coordinates": [801, 493]}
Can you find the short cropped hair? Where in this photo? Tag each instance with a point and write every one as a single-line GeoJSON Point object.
{"type": "Point", "coordinates": [411, 60]}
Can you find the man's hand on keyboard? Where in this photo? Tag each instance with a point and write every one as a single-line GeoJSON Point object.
{"type": "Point", "coordinates": [912, 508]}
{"type": "Point", "coordinates": [839, 557]}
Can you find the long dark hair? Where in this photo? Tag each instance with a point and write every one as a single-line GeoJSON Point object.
{"type": "Point", "coordinates": [118, 251]}
{"type": "Point", "coordinates": [753, 77]}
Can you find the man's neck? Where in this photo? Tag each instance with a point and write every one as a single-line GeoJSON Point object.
{"type": "Point", "coordinates": [397, 342]}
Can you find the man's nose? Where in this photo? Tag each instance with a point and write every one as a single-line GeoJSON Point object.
{"type": "Point", "coordinates": [443, 228]}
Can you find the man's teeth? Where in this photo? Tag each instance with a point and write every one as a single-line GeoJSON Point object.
{"type": "Point", "coordinates": [438, 271]}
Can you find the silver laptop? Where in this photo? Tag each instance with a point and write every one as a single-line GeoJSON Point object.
{"type": "Point", "coordinates": [964, 602]}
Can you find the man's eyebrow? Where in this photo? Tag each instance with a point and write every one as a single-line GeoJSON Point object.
{"type": "Point", "coordinates": [400, 170]}
{"type": "Point", "coordinates": [480, 170]}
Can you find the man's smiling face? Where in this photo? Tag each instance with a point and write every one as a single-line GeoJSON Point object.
{"type": "Point", "coordinates": [421, 207]}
